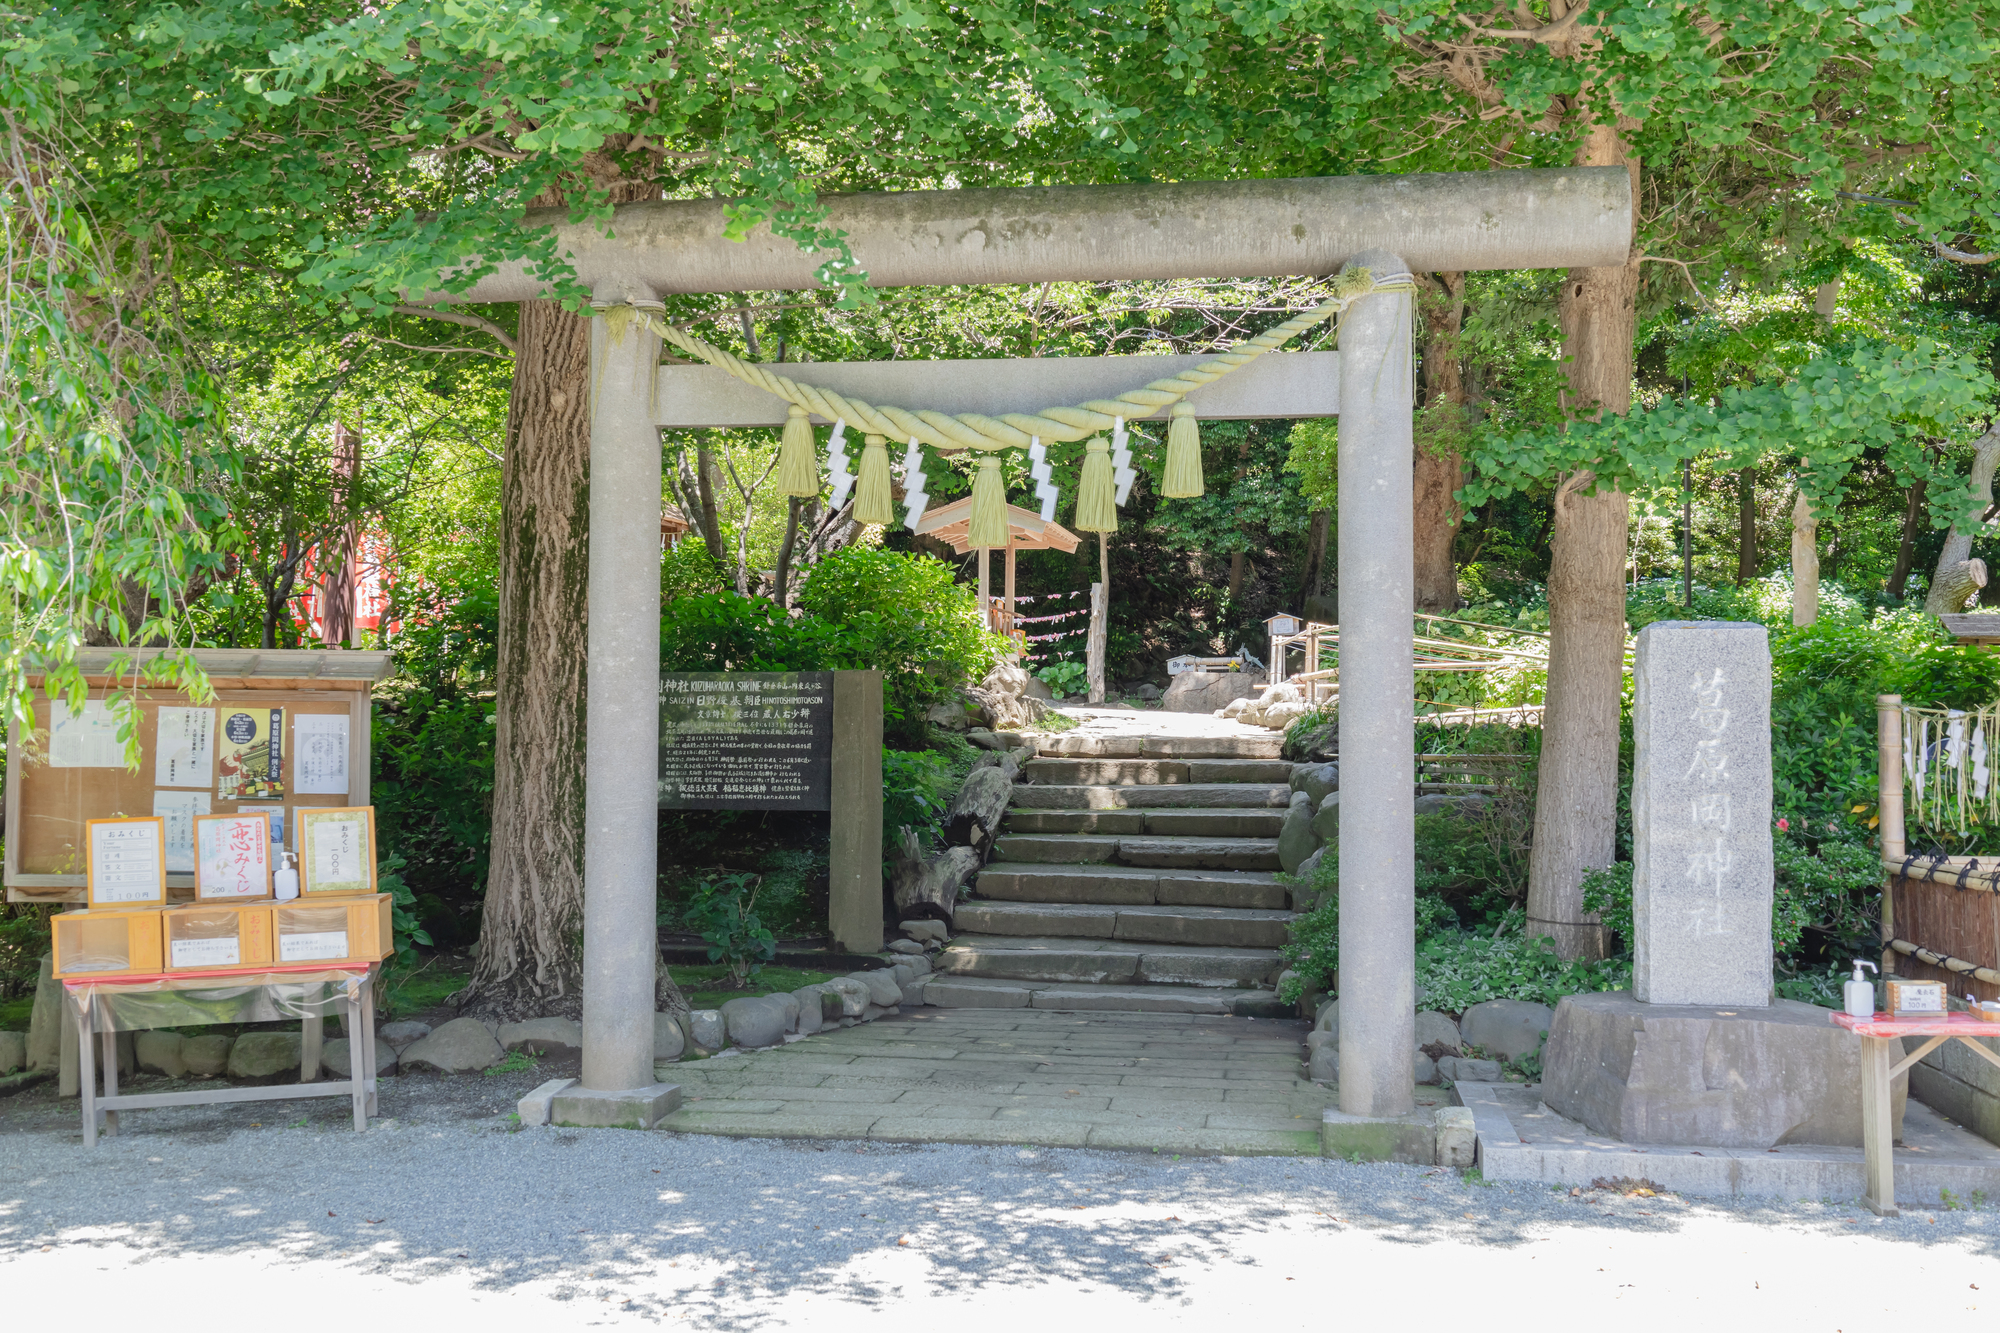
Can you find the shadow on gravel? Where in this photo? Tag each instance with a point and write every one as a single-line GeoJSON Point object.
{"type": "Point", "coordinates": [696, 1227]}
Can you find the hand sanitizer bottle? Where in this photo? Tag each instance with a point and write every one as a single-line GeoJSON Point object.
{"type": "Point", "coordinates": [285, 883]}
{"type": "Point", "coordinates": [1857, 995]}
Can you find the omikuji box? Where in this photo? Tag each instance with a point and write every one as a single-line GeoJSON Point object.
{"type": "Point", "coordinates": [356, 930]}
{"type": "Point", "coordinates": [217, 935]}
{"type": "Point", "coordinates": [1912, 999]}
{"type": "Point", "coordinates": [108, 942]}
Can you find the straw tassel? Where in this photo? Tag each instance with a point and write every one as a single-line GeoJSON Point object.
{"type": "Point", "coordinates": [874, 501]}
{"type": "Point", "coordinates": [1094, 509]}
{"type": "Point", "coordinates": [988, 525]}
{"type": "Point", "coordinates": [1183, 479]}
{"type": "Point", "coordinates": [798, 461]}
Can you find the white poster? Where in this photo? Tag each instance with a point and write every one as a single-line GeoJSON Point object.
{"type": "Point", "coordinates": [320, 763]}
{"type": "Point", "coordinates": [184, 755]}
{"type": "Point", "coordinates": [232, 856]}
{"type": "Point", "coordinates": [277, 817]}
{"type": "Point", "coordinates": [125, 861]}
{"type": "Point", "coordinates": [179, 808]}
{"type": "Point", "coordinates": [84, 740]}
{"type": "Point", "coordinates": [205, 953]}
{"type": "Point", "coordinates": [314, 944]}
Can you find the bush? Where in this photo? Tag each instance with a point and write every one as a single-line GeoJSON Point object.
{"type": "Point", "coordinates": [1834, 888]}
{"type": "Point", "coordinates": [863, 609]}
{"type": "Point", "coordinates": [917, 787]}
{"type": "Point", "coordinates": [722, 909]}
{"type": "Point", "coordinates": [908, 615]}
{"type": "Point", "coordinates": [433, 761]}
{"type": "Point", "coordinates": [24, 939]}
{"type": "Point", "coordinates": [1063, 677]}
{"type": "Point", "coordinates": [1456, 970]}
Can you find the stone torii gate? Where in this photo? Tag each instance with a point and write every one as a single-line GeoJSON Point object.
{"type": "Point", "coordinates": [1389, 225]}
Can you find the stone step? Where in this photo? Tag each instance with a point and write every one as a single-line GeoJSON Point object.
{"type": "Point", "coordinates": [986, 993]}
{"type": "Point", "coordinates": [1131, 886]}
{"type": "Point", "coordinates": [1153, 772]}
{"type": "Point", "coordinates": [1207, 853]}
{"type": "Point", "coordinates": [1205, 823]}
{"type": "Point", "coordinates": [1268, 746]}
{"type": "Point", "coordinates": [1106, 962]}
{"type": "Point", "coordinates": [1173, 796]}
{"type": "Point", "coordinates": [1219, 927]}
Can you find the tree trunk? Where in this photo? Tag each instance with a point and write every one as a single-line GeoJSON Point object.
{"type": "Point", "coordinates": [974, 818]}
{"type": "Point", "coordinates": [708, 480]}
{"type": "Point", "coordinates": [1805, 563]}
{"type": "Point", "coordinates": [781, 579]}
{"type": "Point", "coordinates": [1576, 797]}
{"type": "Point", "coordinates": [1439, 469]}
{"type": "Point", "coordinates": [1317, 541]}
{"type": "Point", "coordinates": [1746, 526]}
{"type": "Point", "coordinates": [927, 886]}
{"type": "Point", "coordinates": [1906, 549]}
{"type": "Point", "coordinates": [530, 944]}
{"type": "Point", "coordinates": [1951, 579]}
{"type": "Point", "coordinates": [1956, 586]}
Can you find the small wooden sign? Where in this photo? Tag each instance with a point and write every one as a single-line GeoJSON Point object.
{"type": "Point", "coordinates": [232, 857]}
{"type": "Point", "coordinates": [1913, 998]}
{"type": "Point", "coordinates": [336, 851]}
{"type": "Point", "coordinates": [126, 862]}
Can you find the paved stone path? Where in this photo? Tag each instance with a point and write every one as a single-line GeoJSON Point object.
{"type": "Point", "coordinates": [1171, 1083]}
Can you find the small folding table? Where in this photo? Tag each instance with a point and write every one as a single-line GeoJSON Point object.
{"type": "Point", "coordinates": [306, 992]}
{"type": "Point", "coordinates": [1881, 1036]}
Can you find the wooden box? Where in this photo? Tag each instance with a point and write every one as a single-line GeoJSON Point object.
{"type": "Point", "coordinates": [352, 930]}
{"type": "Point", "coordinates": [108, 942]}
{"type": "Point", "coordinates": [215, 935]}
{"type": "Point", "coordinates": [1915, 999]}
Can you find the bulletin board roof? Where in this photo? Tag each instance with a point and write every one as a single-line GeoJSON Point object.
{"type": "Point", "coordinates": [323, 664]}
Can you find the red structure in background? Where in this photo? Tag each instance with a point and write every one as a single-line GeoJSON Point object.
{"type": "Point", "coordinates": [349, 590]}
{"type": "Point", "coordinates": [350, 598]}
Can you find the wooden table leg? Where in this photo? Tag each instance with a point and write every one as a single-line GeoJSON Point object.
{"type": "Point", "coordinates": [108, 1040]}
{"type": "Point", "coordinates": [1877, 1125]}
{"type": "Point", "coordinates": [357, 1052]}
{"type": "Point", "coordinates": [312, 1039]}
{"type": "Point", "coordinates": [86, 1073]}
{"type": "Point", "coordinates": [366, 1037]}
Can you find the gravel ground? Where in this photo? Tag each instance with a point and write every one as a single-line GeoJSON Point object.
{"type": "Point", "coordinates": [452, 1213]}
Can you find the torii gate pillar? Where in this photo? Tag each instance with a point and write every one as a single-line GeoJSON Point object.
{"type": "Point", "coordinates": [621, 727]}
{"type": "Point", "coordinates": [1378, 889]}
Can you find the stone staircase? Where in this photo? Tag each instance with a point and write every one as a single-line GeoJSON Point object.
{"type": "Point", "coordinates": [1135, 873]}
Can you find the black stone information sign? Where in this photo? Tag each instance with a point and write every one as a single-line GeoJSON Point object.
{"type": "Point", "coordinates": [746, 740]}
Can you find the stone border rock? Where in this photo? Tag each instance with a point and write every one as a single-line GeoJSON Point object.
{"type": "Point", "coordinates": [472, 1045]}
{"type": "Point", "coordinates": [753, 1022]}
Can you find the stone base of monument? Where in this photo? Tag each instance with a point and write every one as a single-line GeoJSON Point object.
{"type": "Point", "coordinates": [1521, 1139]}
{"type": "Point", "coordinates": [626, 1108]}
{"type": "Point", "coordinates": [1703, 1077]}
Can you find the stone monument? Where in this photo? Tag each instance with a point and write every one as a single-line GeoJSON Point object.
{"type": "Point", "coordinates": [1699, 1053]}
{"type": "Point", "coordinates": [1701, 815]}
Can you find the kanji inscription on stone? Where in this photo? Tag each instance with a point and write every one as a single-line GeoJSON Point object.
{"type": "Point", "coordinates": [1701, 814]}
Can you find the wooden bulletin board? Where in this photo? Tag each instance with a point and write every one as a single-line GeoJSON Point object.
{"type": "Point", "coordinates": [47, 805]}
